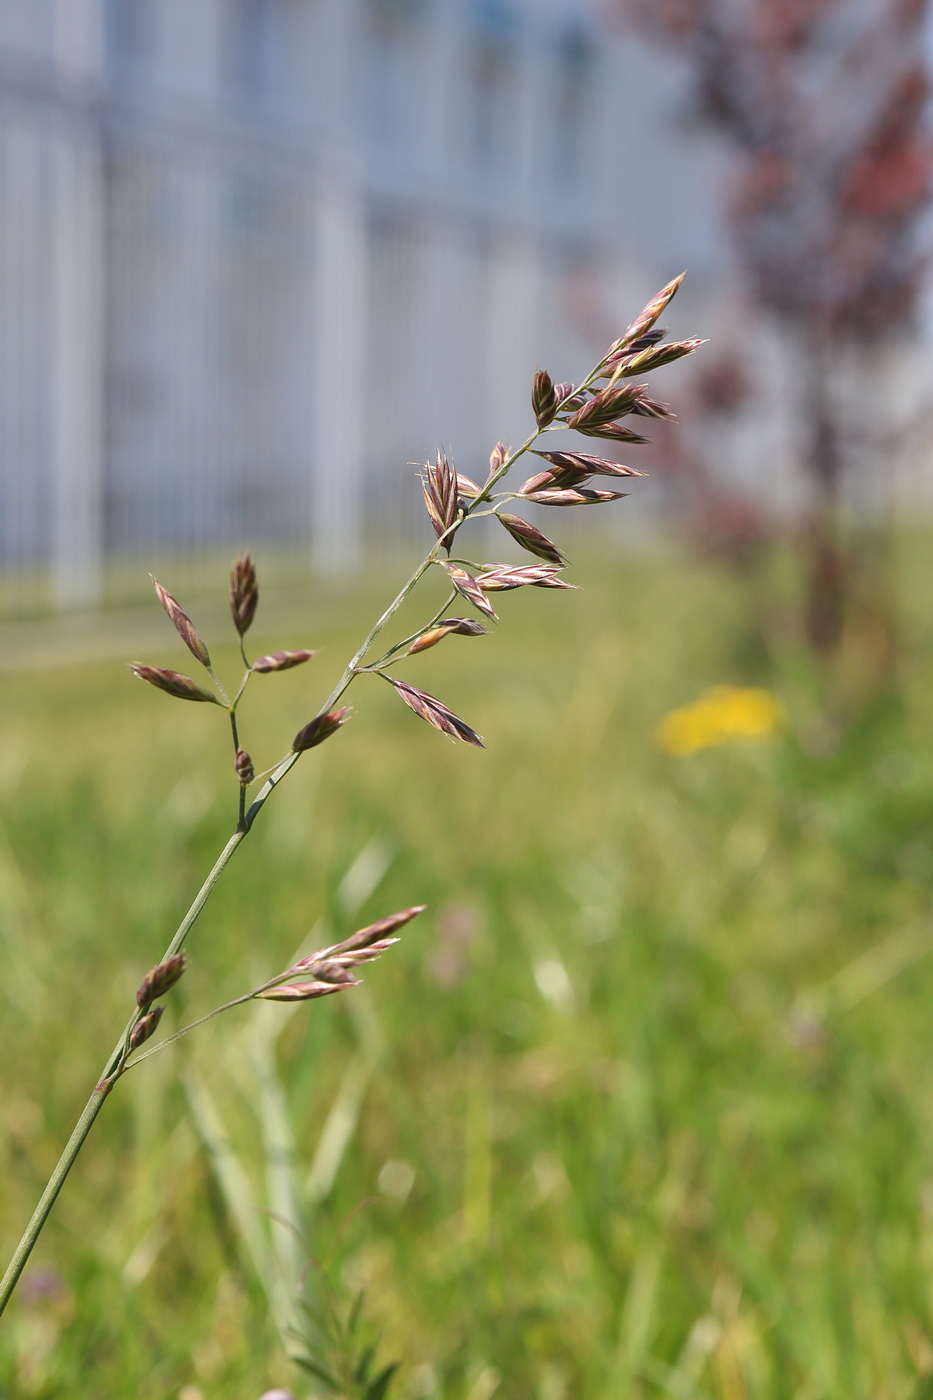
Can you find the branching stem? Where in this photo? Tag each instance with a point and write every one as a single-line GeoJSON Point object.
{"type": "Point", "coordinates": [117, 1062]}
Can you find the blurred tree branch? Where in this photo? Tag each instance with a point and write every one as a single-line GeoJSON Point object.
{"type": "Point", "coordinates": [825, 103]}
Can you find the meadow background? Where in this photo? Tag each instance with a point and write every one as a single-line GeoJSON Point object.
{"type": "Point", "coordinates": [639, 1106]}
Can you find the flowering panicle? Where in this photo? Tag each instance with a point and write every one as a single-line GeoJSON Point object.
{"type": "Point", "coordinates": [593, 407]}
{"type": "Point", "coordinates": [331, 969]}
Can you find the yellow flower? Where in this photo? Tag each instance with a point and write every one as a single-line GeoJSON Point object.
{"type": "Point", "coordinates": [726, 714]}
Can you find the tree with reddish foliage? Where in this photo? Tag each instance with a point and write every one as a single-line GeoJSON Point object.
{"type": "Point", "coordinates": [825, 102]}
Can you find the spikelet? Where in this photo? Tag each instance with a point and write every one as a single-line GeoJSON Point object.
{"type": "Point", "coordinates": [182, 623]}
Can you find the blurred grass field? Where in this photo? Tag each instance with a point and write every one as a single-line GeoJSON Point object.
{"type": "Point", "coordinates": [639, 1107]}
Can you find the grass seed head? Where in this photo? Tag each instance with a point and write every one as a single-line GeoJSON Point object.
{"type": "Point", "coordinates": [182, 623]}
{"type": "Point", "coordinates": [244, 593]}
{"type": "Point", "coordinates": [319, 729]}
{"type": "Point", "coordinates": [282, 660]}
{"type": "Point", "coordinates": [305, 991]}
{"type": "Point", "coordinates": [653, 357]}
{"type": "Point", "coordinates": [466, 627]}
{"type": "Point", "coordinates": [543, 398]}
{"type": "Point", "coordinates": [497, 456]}
{"type": "Point", "coordinates": [331, 970]}
{"type": "Point", "coordinates": [531, 539]}
{"type": "Point", "coordinates": [244, 767]}
{"type": "Point", "coordinates": [586, 463]}
{"type": "Point", "coordinates": [435, 713]}
{"type": "Point", "coordinates": [615, 431]}
{"type": "Point", "coordinates": [555, 479]}
{"type": "Point", "coordinates": [610, 403]}
{"type": "Point", "coordinates": [645, 407]}
{"type": "Point", "coordinates": [649, 314]}
{"type": "Point", "coordinates": [439, 485]}
{"type": "Point", "coordinates": [567, 397]}
{"type": "Point", "coordinates": [451, 626]}
{"type": "Point", "coordinates": [173, 683]}
{"type": "Point", "coordinates": [467, 586]}
{"type": "Point", "coordinates": [624, 356]}
{"type": "Point", "coordinates": [574, 496]}
{"type": "Point", "coordinates": [145, 1027]}
{"type": "Point", "coordinates": [160, 979]}
{"type": "Point", "coordinates": [502, 578]}
{"type": "Point", "coordinates": [371, 935]}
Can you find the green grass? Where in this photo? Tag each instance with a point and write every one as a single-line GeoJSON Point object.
{"type": "Point", "coordinates": [669, 1135]}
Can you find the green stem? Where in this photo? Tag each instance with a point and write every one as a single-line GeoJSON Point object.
{"type": "Point", "coordinates": [407, 641]}
{"type": "Point", "coordinates": [56, 1181]}
{"type": "Point", "coordinates": [111, 1073]}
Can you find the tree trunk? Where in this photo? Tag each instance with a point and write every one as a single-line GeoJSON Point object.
{"type": "Point", "coordinates": [825, 561]}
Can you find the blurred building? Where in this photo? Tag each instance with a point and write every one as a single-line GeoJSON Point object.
{"type": "Point", "coordinates": [258, 255]}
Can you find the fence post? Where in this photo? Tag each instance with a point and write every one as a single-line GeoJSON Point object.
{"type": "Point", "coordinates": [77, 300]}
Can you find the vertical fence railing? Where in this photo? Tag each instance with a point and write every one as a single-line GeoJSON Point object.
{"type": "Point", "coordinates": [224, 327]}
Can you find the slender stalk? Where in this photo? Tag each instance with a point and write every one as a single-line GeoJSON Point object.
{"type": "Point", "coordinates": [201, 1021]}
{"type": "Point", "coordinates": [95, 1103]}
{"type": "Point", "coordinates": [49, 1196]}
{"type": "Point", "coordinates": [407, 641]}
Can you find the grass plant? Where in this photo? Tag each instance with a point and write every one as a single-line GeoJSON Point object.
{"type": "Point", "coordinates": [592, 408]}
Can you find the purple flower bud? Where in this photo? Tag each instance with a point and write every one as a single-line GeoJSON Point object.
{"type": "Point", "coordinates": [182, 623]}
{"type": "Point", "coordinates": [173, 683]}
{"type": "Point", "coordinates": [160, 979]}
{"type": "Point", "coordinates": [319, 729]}
{"type": "Point", "coordinates": [282, 660]}
{"type": "Point", "coordinates": [244, 593]}
{"type": "Point", "coordinates": [543, 398]}
{"type": "Point", "coordinates": [145, 1027]}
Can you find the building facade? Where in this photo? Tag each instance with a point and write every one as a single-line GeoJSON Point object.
{"type": "Point", "coordinates": [257, 256]}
